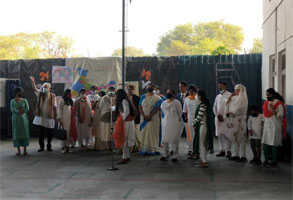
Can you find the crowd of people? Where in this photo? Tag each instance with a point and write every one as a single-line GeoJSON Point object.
{"type": "Point", "coordinates": [152, 123]}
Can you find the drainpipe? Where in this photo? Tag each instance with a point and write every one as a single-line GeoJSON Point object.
{"type": "Point", "coordinates": [276, 72]}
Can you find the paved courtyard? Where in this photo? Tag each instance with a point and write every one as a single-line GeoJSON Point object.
{"type": "Point", "coordinates": [84, 175]}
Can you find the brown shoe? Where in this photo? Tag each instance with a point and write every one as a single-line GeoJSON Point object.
{"type": "Point", "coordinates": [122, 161]}
{"type": "Point", "coordinates": [221, 154]}
{"type": "Point", "coordinates": [195, 157]}
{"type": "Point", "coordinates": [202, 165]}
{"type": "Point", "coordinates": [228, 154]}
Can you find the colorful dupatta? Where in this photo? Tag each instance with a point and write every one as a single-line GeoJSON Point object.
{"type": "Point", "coordinates": [119, 132]}
{"type": "Point", "coordinates": [267, 113]}
{"type": "Point", "coordinates": [73, 131]}
{"type": "Point", "coordinates": [157, 105]}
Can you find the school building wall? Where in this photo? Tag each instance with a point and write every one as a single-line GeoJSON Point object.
{"type": "Point", "coordinates": [277, 69]}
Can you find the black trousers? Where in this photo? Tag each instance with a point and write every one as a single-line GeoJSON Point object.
{"type": "Point", "coordinates": [45, 132]}
{"type": "Point", "coordinates": [256, 148]}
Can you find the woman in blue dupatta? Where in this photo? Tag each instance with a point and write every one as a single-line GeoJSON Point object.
{"type": "Point", "coordinates": [149, 106]}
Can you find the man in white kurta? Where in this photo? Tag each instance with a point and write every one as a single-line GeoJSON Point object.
{"type": "Point", "coordinates": [221, 120]}
{"type": "Point", "coordinates": [191, 103]}
{"type": "Point", "coordinates": [107, 102]}
{"type": "Point", "coordinates": [98, 145]}
{"type": "Point", "coordinates": [45, 113]}
{"type": "Point", "coordinates": [93, 96]}
{"type": "Point", "coordinates": [83, 119]}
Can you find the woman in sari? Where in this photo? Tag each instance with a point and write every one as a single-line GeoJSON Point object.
{"type": "Point", "coordinates": [149, 106]}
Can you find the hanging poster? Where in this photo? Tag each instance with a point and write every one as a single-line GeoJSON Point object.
{"type": "Point", "coordinates": [62, 74]}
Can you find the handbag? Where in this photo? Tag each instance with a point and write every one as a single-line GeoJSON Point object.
{"type": "Point", "coordinates": [59, 133]}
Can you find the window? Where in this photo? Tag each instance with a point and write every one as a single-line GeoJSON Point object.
{"type": "Point", "coordinates": [282, 73]}
{"type": "Point", "coordinates": [284, 86]}
{"type": "Point", "coordinates": [272, 63]}
{"type": "Point", "coordinates": [283, 61]}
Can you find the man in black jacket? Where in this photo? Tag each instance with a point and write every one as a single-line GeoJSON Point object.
{"type": "Point", "coordinates": [183, 92]}
{"type": "Point", "coordinates": [181, 97]}
{"type": "Point", "coordinates": [135, 100]}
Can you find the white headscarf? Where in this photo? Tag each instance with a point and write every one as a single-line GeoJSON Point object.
{"type": "Point", "coordinates": [48, 85]}
{"type": "Point", "coordinates": [239, 103]}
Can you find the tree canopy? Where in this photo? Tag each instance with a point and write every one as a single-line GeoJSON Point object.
{"type": "Point", "coordinates": [130, 51]}
{"type": "Point", "coordinates": [202, 38]}
{"type": "Point", "coordinates": [35, 45]}
{"type": "Point", "coordinates": [257, 46]}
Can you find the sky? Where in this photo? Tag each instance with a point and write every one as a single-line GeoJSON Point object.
{"type": "Point", "coordinates": [95, 25]}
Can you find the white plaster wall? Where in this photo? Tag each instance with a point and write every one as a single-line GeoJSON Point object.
{"type": "Point", "coordinates": [284, 41]}
{"type": "Point", "coordinates": [281, 23]}
{"type": "Point", "coordinates": [268, 49]}
{"type": "Point", "coordinates": [269, 6]}
{"type": "Point", "coordinates": [289, 51]}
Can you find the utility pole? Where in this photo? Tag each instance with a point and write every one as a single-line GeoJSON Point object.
{"type": "Point", "coordinates": [123, 44]}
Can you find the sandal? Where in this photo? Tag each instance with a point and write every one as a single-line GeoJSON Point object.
{"type": "Point", "coordinates": [163, 158]}
{"type": "Point", "coordinates": [63, 150]}
{"type": "Point", "coordinates": [122, 161]}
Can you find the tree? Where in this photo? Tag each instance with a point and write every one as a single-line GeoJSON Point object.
{"type": "Point", "coordinates": [202, 38]}
{"type": "Point", "coordinates": [19, 45]}
{"type": "Point", "coordinates": [130, 51]}
{"type": "Point", "coordinates": [257, 46]}
{"type": "Point", "coordinates": [221, 50]}
{"type": "Point", "coordinates": [35, 45]}
{"type": "Point", "coordinates": [54, 46]}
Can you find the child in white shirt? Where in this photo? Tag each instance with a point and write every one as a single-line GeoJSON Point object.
{"type": "Point", "coordinates": [255, 129]}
